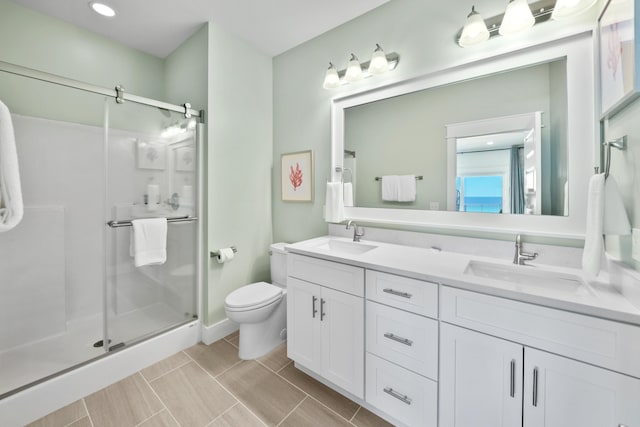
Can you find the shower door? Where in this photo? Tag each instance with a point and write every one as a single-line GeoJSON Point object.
{"type": "Point", "coordinates": [151, 173]}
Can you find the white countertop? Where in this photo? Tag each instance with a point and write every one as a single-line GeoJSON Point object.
{"type": "Point", "coordinates": [448, 268]}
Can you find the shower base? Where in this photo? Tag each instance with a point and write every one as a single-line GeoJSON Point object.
{"type": "Point", "coordinates": [24, 365]}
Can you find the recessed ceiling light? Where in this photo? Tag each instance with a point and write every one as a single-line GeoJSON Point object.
{"type": "Point", "coordinates": [489, 142]}
{"type": "Point", "coordinates": [102, 9]}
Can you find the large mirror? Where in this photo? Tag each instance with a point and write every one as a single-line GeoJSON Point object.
{"type": "Point", "coordinates": [511, 136]}
{"type": "Point", "coordinates": [459, 137]}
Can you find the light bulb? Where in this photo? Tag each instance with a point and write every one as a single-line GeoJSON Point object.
{"type": "Point", "coordinates": [379, 63]}
{"type": "Point", "coordinates": [517, 18]}
{"type": "Point", "coordinates": [331, 78]}
{"type": "Point", "coordinates": [475, 30]}
{"type": "Point", "coordinates": [354, 70]}
{"type": "Point", "coordinates": [102, 9]}
{"type": "Point", "coordinates": [567, 8]}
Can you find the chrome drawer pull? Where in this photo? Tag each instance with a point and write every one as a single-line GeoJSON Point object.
{"type": "Point", "coordinates": [405, 341]}
{"type": "Point", "coordinates": [512, 390]}
{"type": "Point", "coordinates": [397, 293]}
{"type": "Point", "coordinates": [313, 306]}
{"type": "Point", "coordinates": [402, 397]}
{"type": "Point", "coordinates": [535, 387]}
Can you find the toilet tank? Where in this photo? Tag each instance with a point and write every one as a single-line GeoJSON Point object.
{"type": "Point", "coordinates": [278, 264]}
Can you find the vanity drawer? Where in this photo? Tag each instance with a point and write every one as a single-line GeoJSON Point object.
{"type": "Point", "coordinates": [341, 277]}
{"type": "Point", "coordinates": [600, 342]}
{"type": "Point", "coordinates": [416, 296]}
{"type": "Point", "coordinates": [404, 338]}
{"type": "Point", "coordinates": [404, 395]}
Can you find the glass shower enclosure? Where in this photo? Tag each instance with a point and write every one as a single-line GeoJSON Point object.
{"type": "Point", "coordinates": [89, 165]}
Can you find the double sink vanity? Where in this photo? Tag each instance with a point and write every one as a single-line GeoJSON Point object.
{"type": "Point", "coordinates": [425, 337]}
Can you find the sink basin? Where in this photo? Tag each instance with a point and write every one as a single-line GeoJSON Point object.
{"type": "Point", "coordinates": [530, 277]}
{"type": "Point", "coordinates": [345, 247]}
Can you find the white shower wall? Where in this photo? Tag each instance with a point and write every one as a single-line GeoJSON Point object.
{"type": "Point", "coordinates": [51, 265]}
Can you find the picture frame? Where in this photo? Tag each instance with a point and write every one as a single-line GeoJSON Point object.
{"type": "Point", "coordinates": [185, 159]}
{"type": "Point", "coordinates": [151, 155]}
{"type": "Point", "coordinates": [618, 37]}
{"type": "Point", "coordinates": [297, 176]}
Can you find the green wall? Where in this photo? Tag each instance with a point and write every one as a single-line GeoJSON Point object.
{"type": "Point", "coordinates": [421, 32]}
{"type": "Point", "coordinates": [239, 165]}
{"type": "Point", "coordinates": [37, 41]}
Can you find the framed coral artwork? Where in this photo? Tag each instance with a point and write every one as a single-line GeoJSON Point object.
{"type": "Point", "coordinates": [618, 52]}
{"type": "Point", "coordinates": [297, 176]}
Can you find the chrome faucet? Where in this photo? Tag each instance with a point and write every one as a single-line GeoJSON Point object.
{"type": "Point", "coordinates": [356, 234]}
{"type": "Point", "coordinates": [520, 257]}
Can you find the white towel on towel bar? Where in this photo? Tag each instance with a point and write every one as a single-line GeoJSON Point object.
{"type": "Point", "coordinates": [148, 241]}
{"type": "Point", "coordinates": [407, 188]}
{"type": "Point", "coordinates": [389, 188]}
{"type": "Point", "coordinates": [11, 206]}
{"type": "Point", "coordinates": [399, 188]}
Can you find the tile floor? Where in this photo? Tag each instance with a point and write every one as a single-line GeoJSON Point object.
{"type": "Point", "coordinates": [209, 386]}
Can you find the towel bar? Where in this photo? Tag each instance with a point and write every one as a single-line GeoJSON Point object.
{"type": "Point", "coordinates": [418, 178]}
{"type": "Point", "coordinates": [127, 223]}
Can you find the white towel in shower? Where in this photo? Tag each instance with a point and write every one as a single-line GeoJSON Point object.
{"type": "Point", "coordinates": [149, 241]}
{"type": "Point", "coordinates": [11, 206]}
{"type": "Point", "coordinates": [593, 242]}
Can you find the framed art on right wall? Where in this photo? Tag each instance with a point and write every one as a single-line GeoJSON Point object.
{"type": "Point", "coordinates": [618, 39]}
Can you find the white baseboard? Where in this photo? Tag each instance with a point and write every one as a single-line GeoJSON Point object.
{"type": "Point", "coordinates": [217, 331]}
{"type": "Point", "coordinates": [37, 401]}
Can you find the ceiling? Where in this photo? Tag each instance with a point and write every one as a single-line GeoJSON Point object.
{"type": "Point", "coordinates": [159, 26]}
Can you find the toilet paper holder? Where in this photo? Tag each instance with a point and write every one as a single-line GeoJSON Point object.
{"type": "Point", "coordinates": [215, 254]}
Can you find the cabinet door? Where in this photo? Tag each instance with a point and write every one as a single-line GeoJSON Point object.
{"type": "Point", "coordinates": [480, 379]}
{"type": "Point", "coordinates": [303, 323]}
{"type": "Point", "coordinates": [566, 393]}
{"type": "Point", "coordinates": [342, 319]}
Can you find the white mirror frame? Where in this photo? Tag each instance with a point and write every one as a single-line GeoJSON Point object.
{"type": "Point", "coordinates": [582, 130]}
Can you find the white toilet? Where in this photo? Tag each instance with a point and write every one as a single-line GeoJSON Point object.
{"type": "Point", "coordinates": [261, 309]}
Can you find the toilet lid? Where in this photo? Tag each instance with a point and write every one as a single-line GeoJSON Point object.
{"type": "Point", "coordinates": [260, 293]}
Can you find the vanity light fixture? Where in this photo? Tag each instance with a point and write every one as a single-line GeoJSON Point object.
{"type": "Point", "coordinates": [102, 9]}
{"type": "Point", "coordinates": [331, 78]}
{"type": "Point", "coordinates": [566, 8]}
{"type": "Point", "coordinates": [517, 18]}
{"type": "Point", "coordinates": [475, 30]}
{"type": "Point", "coordinates": [380, 63]}
{"type": "Point", "coordinates": [354, 70]}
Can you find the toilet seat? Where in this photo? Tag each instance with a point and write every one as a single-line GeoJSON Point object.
{"type": "Point", "coordinates": [253, 296]}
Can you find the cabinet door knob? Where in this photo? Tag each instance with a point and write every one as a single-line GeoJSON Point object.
{"type": "Point", "coordinates": [322, 313]}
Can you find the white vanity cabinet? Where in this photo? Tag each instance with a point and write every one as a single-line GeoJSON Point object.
{"type": "Point", "coordinates": [402, 348]}
{"type": "Point", "coordinates": [486, 380]}
{"type": "Point", "coordinates": [325, 320]}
